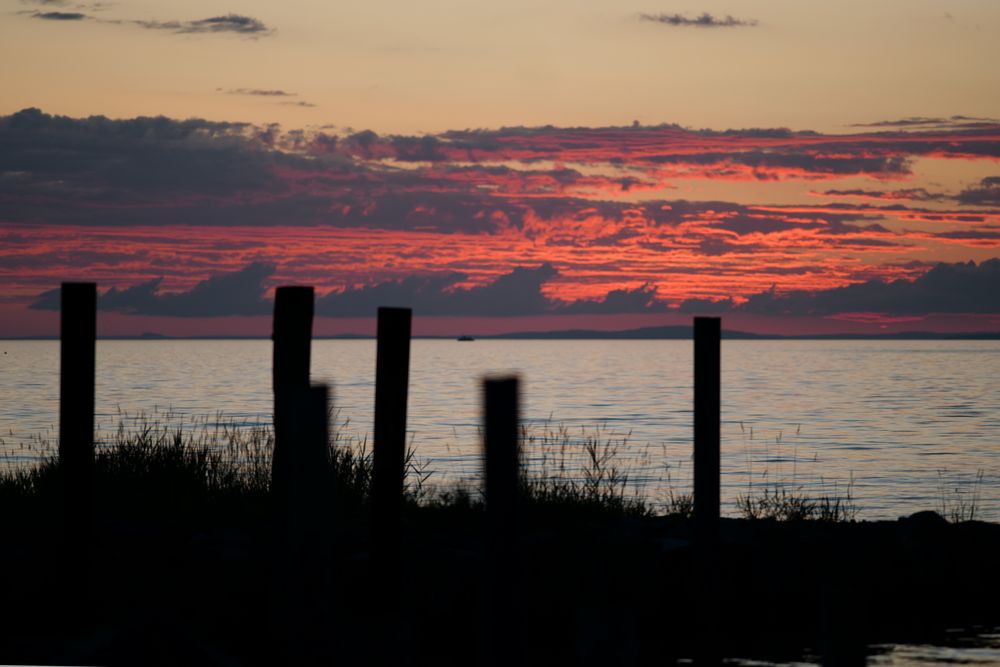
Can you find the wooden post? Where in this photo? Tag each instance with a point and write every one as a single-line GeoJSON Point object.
{"type": "Point", "coordinates": [502, 469]}
{"type": "Point", "coordinates": [293, 316]}
{"type": "Point", "coordinates": [77, 347]}
{"type": "Point", "coordinates": [707, 379]}
{"type": "Point", "coordinates": [502, 455]}
{"type": "Point", "coordinates": [392, 372]}
{"type": "Point", "coordinates": [302, 604]}
{"type": "Point", "coordinates": [309, 462]}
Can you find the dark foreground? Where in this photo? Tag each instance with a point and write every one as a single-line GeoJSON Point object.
{"type": "Point", "coordinates": [183, 577]}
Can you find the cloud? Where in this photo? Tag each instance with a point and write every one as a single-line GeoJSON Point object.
{"type": "Point", "coordinates": [987, 193]}
{"type": "Point", "coordinates": [299, 103]}
{"type": "Point", "coordinates": [59, 16]}
{"type": "Point", "coordinates": [160, 171]}
{"type": "Point", "coordinates": [706, 306]}
{"type": "Point", "coordinates": [241, 292]}
{"type": "Point", "coordinates": [237, 24]}
{"type": "Point", "coordinates": [431, 220]}
{"type": "Point", "coordinates": [926, 122]}
{"type": "Point", "coordinates": [227, 23]}
{"type": "Point", "coordinates": [704, 20]}
{"type": "Point", "coordinates": [99, 162]}
{"type": "Point", "coordinates": [223, 294]}
{"type": "Point", "coordinates": [641, 299]}
{"type": "Point", "coordinates": [946, 288]}
{"type": "Point", "coordinates": [260, 92]}
{"type": "Point", "coordinates": [515, 293]}
{"type": "Point", "coordinates": [905, 194]}
{"type": "Point", "coordinates": [965, 288]}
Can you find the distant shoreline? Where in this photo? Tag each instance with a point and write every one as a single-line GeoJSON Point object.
{"type": "Point", "coordinates": [645, 333]}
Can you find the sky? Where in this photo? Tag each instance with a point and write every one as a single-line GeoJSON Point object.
{"type": "Point", "coordinates": [794, 167]}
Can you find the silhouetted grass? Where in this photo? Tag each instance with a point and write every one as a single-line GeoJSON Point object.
{"type": "Point", "coordinates": [962, 503]}
{"type": "Point", "coordinates": [780, 497]}
{"type": "Point", "coordinates": [163, 464]}
{"type": "Point", "coordinates": [783, 504]}
{"type": "Point", "coordinates": [172, 465]}
{"type": "Point", "coordinates": [560, 470]}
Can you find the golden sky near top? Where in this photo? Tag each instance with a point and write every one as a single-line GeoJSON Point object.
{"type": "Point", "coordinates": [407, 67]}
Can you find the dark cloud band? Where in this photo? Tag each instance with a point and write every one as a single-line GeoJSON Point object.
{"type": "Point", "coordinates": [704, 20]}
{"type": "Point", "coordinates": [965, 288]}
{"type": "Point", "coordinates": [237, 24]}
{"type": "Point", "coordinates": [59, 16]}
{"type": "Point", "coordinates": [260, 92]}
{"type": "Point", "coordinates": [227, 23]}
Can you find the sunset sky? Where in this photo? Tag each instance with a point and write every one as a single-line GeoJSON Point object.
{"type": "Point", "coordinates": [796, 167]}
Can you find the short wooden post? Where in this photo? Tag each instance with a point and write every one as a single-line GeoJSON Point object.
{"type": "Point", "coordinates": [502, 469]}
{"type": "Point", "coordinates": [77, 348]}
{"type": "Point", "coordinates": [392, 372]}
{"type": "Point", "coordinates": [293, 317]}
{"type": "Point", "coordinates": [707, 379]}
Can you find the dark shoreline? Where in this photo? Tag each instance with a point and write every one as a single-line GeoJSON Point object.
{"type": "Point", "coordinates": [589, 592]}
{"type": "Point", "coordinates": [182, 574]}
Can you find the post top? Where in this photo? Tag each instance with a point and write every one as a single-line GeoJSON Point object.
{"type": "Point", "coordinates": [292, 291]}
{"type": "Point", "coordinates": [394, 310]}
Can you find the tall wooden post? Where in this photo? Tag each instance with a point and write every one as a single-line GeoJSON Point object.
{"type": "Point", "coordinates": [707, 379]}
{"type": "Point", "coordinates": [293, 317]}
{"type": "Point", "coordinates": [502, 468]}
{"type": "Point", "coordinates": [77, 348]}
{"type": "Point", "coordinates": [392, 373]}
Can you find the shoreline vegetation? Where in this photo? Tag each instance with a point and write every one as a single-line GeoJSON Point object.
{"type": "Point", "coordinates": [593, 461]}
{"type": "Point", "coordinates": [182, 555]}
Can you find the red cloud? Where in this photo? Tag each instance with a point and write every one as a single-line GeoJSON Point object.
{"type": "Point", "coordinates": [183, 200]}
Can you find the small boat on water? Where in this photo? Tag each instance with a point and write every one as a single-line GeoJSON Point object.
{"type": "Point", "coordinates": [465, 338]}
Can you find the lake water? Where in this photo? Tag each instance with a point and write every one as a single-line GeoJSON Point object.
{"type": "Point", "coordinates": [905, 425]}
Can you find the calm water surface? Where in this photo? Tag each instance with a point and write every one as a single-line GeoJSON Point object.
{"type": "Point", "coordinates": [907, 425]}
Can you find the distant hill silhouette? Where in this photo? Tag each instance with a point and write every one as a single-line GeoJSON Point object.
{"type": "Point", "coordinates": [684, 333]}
{"type": "Point", "coordinates": [642, 333]}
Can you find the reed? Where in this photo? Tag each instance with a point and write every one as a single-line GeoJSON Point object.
{"type": "Point", "coordinates": [165, 460]}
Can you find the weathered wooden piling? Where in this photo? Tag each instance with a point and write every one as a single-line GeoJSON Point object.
{"type": "Point", "coordinates": [502, 470]}
{"type": "Point", "coordinates": [392, 374]}
{"type": "Point", "coordinates": [77, 349]}
{"type": "Point", "coordinates": [502, 464]}
{"type": "Point", "coordinates": [292, 337]}
{"type": "Point", "coordinates": [707, 379]}
{"type": "Point", "coordinates": [707, 406]}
